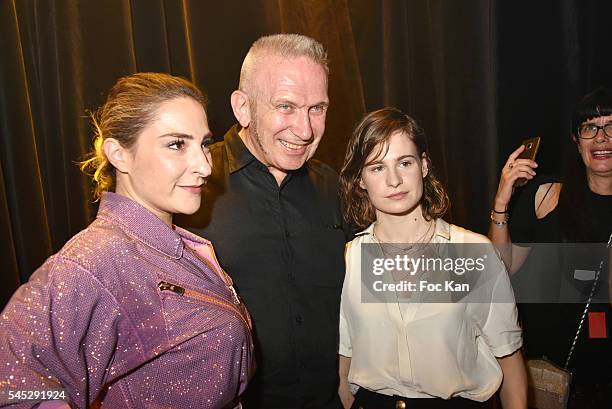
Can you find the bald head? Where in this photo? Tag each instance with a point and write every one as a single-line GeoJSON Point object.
{"type": "Point", "coordinates": [284, 45]}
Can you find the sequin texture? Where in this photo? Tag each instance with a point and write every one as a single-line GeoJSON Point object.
{"type": "Point", "coordinates": [93, 322]}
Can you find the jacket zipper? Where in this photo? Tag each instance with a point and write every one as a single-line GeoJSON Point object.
{"type": "Point", "coordinates": [236, 308]}
{"type": "Point", "coordinates": [229, 284]}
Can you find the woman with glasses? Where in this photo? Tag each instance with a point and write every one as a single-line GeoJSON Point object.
{"type": "Point", "coordinates": [574, 208]}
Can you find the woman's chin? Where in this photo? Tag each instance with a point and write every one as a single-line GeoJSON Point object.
{"type": "Point", "coordinates": [188, 208]}
{"type": "Point", "coordinates": [399, 210]}
{"type": "Point", "coordinates": [188, 211]}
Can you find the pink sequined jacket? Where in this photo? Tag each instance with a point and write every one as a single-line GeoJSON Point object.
{"type": "Point", "coordinates": [129, 314]}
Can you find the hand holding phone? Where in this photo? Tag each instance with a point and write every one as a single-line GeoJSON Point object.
{"type": "Point", "coordinates": [531, 150]}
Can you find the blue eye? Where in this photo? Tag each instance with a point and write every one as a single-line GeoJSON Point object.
{"type": "Point", "coordinates": [318, 109]}
{"type": "Point", "coordinates": [285, 108]}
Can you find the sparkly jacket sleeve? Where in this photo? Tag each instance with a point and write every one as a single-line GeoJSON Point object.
{"type": "Point", "coordinates": [59, 331]}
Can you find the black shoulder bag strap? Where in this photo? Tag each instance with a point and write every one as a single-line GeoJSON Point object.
{"type": "Point", "coordinates": [586, 307]}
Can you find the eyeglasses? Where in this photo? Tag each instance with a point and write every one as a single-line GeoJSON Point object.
{"type": "Point", "coordinates": [589, 131]}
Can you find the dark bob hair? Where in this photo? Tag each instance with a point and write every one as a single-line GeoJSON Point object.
{"type": "Point", "coordinates": [593, 105]}
{"type": "Point", "coordinates": [371, 136]}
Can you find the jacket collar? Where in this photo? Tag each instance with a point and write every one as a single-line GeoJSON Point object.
{"type": "Point", "coordinates": [144, 226]}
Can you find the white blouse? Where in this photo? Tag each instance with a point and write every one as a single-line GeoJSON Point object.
{"type": "Point", "coordinates": [424, 350]}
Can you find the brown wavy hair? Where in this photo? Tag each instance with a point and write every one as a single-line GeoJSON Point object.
{"type": "Point", "coordinates": [131, 105]}
{"type": "Point", "coordinates": [372, 135]}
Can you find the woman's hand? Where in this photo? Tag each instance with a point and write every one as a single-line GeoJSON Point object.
{"type": "Point", "coordinates": [346, 397]}
{"type": "Point", "coordinates": [344, 391]}
{"type": "Point", "coordinates": [512, 170]}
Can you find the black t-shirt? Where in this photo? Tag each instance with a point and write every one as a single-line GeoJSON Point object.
{"type": "Point", "coordinates": [284, 248]}
{"type": "Point", "coordinates": [550, 325]}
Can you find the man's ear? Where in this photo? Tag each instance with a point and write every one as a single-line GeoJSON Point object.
{"type": "Point", "coordinates": [424, 165]}
{"type": "Point", "coordinates": [117, 155]}
{"type": "Point", "coordinates": [241, 108]}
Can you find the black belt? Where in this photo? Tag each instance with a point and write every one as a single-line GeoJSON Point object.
{"type": "Point", "coordinates": [365, 399]}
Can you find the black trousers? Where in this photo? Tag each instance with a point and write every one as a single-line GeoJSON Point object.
{"type": "Point", "coordinates": [365, 399]}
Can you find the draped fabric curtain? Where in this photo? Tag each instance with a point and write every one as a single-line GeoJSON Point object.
{"type": "Point", "coordinates": [478, 75]}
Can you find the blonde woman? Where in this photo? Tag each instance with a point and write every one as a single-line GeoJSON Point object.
{"type": "Point", "coordinates": [133, 312]}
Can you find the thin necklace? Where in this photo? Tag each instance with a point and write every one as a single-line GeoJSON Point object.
{"type": "Point", "coordinates": [421, 242]}
{"type": "Point", "coordinates": [423, 239]}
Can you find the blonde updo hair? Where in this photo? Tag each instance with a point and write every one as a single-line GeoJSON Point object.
{"type": "Point", "coordinates": [131, 105]}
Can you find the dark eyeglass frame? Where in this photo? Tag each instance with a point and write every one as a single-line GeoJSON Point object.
{"type": "Point", "coordinates": [599, 127]}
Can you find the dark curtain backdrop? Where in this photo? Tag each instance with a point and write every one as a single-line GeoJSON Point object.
{"type": "Point", "coordinates": [478, 75]}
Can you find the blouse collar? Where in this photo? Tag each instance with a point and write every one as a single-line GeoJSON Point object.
{"type": "Point", "coordinates": [441, 232]}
